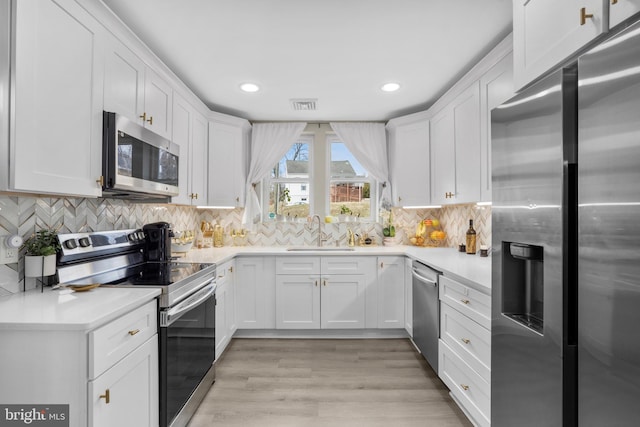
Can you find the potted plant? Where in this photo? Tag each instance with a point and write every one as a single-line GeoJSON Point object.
{"type": "Point", "coordinates": [345, 212]}
{"type": "Point", "coordinates": [40, 253]}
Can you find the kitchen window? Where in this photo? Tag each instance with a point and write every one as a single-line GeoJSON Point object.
{"type": "Point", "coordinates": [288, 189]}
{"type": "Point", "coordinates": [351, 189]}
{"type": "Point", "coordinates": [319, 175]}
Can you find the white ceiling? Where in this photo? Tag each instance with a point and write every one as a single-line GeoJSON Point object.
{"type": "Point", "coordinates": [338, 51]}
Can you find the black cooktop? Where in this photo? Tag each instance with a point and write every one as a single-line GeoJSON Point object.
{"type": "Point", "coordinates": [159, 273]}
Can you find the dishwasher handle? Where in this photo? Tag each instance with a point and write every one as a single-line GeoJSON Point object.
{"type": "Point", "coordinates": [423, 279]}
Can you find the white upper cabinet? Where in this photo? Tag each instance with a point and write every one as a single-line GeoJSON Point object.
{"type": "Point", "coordinates": [443, 172]}
{"type": "Point", "coordinates": [619, 10]}
{"type": "Point", "coordinates": [455, 150]}
{"type": "Point", "coordinates": [135, 90]}
{"type": "Point", "coordinates": [123, 81]}
{"type": "Point", "coordinates": [227, 143]}
{"type": "Point", "coordinates": [546, 32]}
{"type": "Point", "coordinates": [157, 104]}
{"type": "Point", "coordinates": [496, 86]}
{"type": "Point", "coordinates": [190, 132]}
{"type": "Point", "coordinates": [56, 122]}
{"type": "Point", "coordinates": [409, 154]}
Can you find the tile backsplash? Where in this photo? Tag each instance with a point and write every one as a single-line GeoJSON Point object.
{"type": "Point", "coordinates": [24, 215]}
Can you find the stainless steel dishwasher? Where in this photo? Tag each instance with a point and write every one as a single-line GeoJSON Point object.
{"type": "Point", "coordinates": [426, 313]}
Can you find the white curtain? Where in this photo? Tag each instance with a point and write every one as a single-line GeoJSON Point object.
{"type": "Point", "coordinates": [269, 143]}
{"type": "Point", "coordinates": [368, 143]}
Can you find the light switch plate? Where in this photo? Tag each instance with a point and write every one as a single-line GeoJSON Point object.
{"type": "Point", "coordinates": [8, 255]}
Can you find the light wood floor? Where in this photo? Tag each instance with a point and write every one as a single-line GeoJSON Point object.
{"type": "Point", "coordinates": [319, 383]}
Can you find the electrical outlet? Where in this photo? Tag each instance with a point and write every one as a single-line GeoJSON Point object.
{"type": "Point", "coordinates": [7, 255]}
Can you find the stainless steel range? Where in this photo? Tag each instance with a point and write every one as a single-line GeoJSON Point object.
{"type": "Point", "coordinates": [142, 257]}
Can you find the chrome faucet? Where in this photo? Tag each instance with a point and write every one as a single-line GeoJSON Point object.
{"type": "Point", "coordinates": [320, 239]}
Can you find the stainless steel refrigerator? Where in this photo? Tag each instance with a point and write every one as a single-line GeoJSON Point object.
{"type": "Point", "coordinates": [566, 233]}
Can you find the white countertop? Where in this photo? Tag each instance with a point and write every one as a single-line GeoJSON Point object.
{"type": "Point", "coordinates": [472, 270]}
{"type": "Point", "coordinates": [67, 310]}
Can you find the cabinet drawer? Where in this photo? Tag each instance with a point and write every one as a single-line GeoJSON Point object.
{"type": "Point", "coordinates": [466, 386]}
{"type": "Point", "coordinates": [347, 264]}
{"type": "Point", "coordinates": [471, 341]}
{"type": "Point", "coordinates": [298, 265]}
{"type": "Point", "coordinates": [466, 300]}
{"type": "Point", "coordinates": [110, 343]}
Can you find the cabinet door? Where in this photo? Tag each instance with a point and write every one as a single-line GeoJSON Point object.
{"type": "Point", "coordinates": [466, 124]}
{"type": "Point", "coordinates": [123, 81]}
{"type": "Point", "coordinates": [391, 292]}
{"type": "Point", "coordinates": [342, 301]}
{"type": "Point", "coordinates": [443, 178]}
{"type": "Point", "coordinates": [297, 301]}
{"type": "Point", "coordinates": [496, 86]}
{"type": "Point", "coordinates": [619, 10]}
{"type": "Point", "coordinates": [56, 140]}
{"type": "Point", "coordinates": [158, 97]}
{"type": "Point", "coordinates": [411, 165]}
{"type": "Point", "coordinates": [546, 32]}
{"type": "Point", "coordinates": [226, 172]}
{"type": "Point", "coordinates": [408, 297]}
{"type": "Point", "coordinates": [232, 323]}
{"type": "Point", "coordinates": [199, 158]}
{"type": "Point", "coordinates": [132, 387]}
{"type": "Point", "coordinates": [222, 305]}
{"type": "Point", "coordinates": [255, 292]}
{"type": "Point", "coordinates": [181, 130]}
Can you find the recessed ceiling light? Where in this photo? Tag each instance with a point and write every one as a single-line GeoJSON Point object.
{"type": "Point", "coordinates": [249, 87]}
{"type": "Point", "coordinates": [390, 87]}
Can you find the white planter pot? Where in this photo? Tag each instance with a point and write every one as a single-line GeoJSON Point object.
{"type": "Point", "coordinates": [37, 266]}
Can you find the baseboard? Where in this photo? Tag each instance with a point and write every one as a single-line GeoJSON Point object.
{"type": "Point", "coordinates": [322, 333]}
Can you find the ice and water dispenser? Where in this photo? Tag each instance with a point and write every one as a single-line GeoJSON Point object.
{"type": "Point", "coordinates": [523, 284]}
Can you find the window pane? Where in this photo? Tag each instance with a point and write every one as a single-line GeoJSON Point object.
{"type": "Point", "coordinates": [294, 164]}
{"type": "Point", "coordinates": [289, 199]}
{"type": "Point", "coordinates": [351, 198]}
{"type": "Point", "coordinates": [344, 164]}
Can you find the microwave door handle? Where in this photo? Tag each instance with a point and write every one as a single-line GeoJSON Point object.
{"type": "Point", "coordinates": [174, 313]}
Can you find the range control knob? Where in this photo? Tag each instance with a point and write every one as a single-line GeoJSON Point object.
{"type": "Point", "coordinates": [70, 244]}
{"type": "Point", "coordinates": [141, 235]}
{"type": "Point", "coordinates": [84, 242]}
{"type": "Point", "coordinates": [133, 237]}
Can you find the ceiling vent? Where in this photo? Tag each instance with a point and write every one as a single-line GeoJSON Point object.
{"type": "Point", "coordinates": [308, 104]}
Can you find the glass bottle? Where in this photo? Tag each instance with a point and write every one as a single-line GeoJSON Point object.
{"type": "Point", "coordinates": [471, 239]}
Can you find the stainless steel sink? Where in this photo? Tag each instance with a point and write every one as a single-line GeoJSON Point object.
{"type": "Point", "coordinates": [318, 248]}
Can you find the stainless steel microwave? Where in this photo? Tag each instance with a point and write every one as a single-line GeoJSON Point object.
{"type": "Point", "coordinates": [137, 163]}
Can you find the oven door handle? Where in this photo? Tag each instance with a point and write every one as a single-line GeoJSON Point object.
{"type": "Point", "coordinates": [169, 316]}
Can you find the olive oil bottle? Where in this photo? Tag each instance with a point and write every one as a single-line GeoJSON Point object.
{"type": "Point", "coordinates": [471, 239]}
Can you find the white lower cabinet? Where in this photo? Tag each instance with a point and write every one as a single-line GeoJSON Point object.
{"type": "Point", "coordinates": [391, 289]}
{"type": "Point", "coordinates": [255, 292]}
{"type": "Point", "coordinates": [127, 393]}
{"type": "Point", "coordinates": [465, 347]}
{"type": "Point", "coordinates": [322, 292]}
{"type": "Point", "coordinates": [226, 324]}
{"type": "Point", "coordinates": [107, 375]}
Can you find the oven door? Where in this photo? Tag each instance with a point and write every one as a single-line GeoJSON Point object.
{"type": "Point", "coordinates": [187, 353]}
